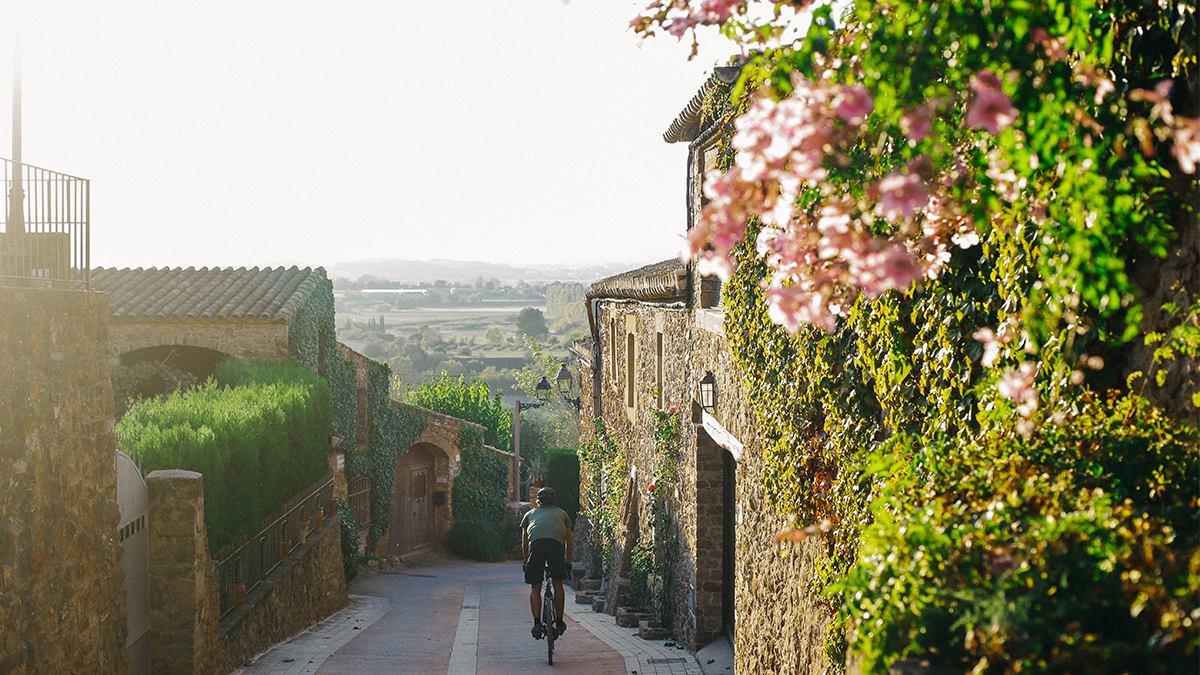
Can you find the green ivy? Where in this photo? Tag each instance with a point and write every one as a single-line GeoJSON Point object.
{"type": "Point", "coordinates": [606, 465]}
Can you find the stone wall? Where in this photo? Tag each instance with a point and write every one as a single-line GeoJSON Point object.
{"type": "Point", "coordinates": [187, 633]}
{"type": "Point", "coordinates": [62, 598]}
{"type": "Point", "coordinates": [245, 339]}
{"type": "Point", "coordinates": [306, 589]}
{"type": "Point", "coordinates": [772, 604]}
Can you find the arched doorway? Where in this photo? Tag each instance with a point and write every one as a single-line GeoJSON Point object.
{"type": "Point", "coordinates": [411, 528]}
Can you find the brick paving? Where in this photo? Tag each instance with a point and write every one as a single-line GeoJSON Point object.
{"type": "Point", "coordinates": [306, 652]}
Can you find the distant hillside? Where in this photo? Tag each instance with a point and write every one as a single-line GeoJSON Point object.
{"type": "Point", "coordinates": [459, 271]}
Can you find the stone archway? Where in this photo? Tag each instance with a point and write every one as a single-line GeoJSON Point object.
{"type": "Point", "coordinates": [412, 527]}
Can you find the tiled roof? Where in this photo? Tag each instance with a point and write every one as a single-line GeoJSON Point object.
{"type": "Point", "coordinates": [686, 126]}
{"type": "Point", "coordinates": [218, 293]}
{"type": "Point", "coordinates": [666, 280]}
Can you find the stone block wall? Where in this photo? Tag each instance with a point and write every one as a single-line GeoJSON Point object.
{"type": "Point", "coordinates": [306, 589]}
{"type": "Point", "coordinates": [773, 607]}
{"type": "Point", "coordinates": [245, 339]}
{"type": "Point", "coordinates": [62, 598]}
{"type": "Point", "coordinates": [187, 633]}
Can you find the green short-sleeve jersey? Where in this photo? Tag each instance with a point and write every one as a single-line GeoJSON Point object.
{"type": "Point", "coordinates": [547, 522]}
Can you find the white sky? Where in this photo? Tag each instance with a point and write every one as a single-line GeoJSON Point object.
{"type": "Point", "coordinates": [258, 133]}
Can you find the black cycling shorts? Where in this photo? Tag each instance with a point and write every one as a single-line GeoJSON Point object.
{"type": "Point", "coordinates": [543, 552]}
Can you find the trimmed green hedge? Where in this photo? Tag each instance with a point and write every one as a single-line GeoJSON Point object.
{"type": "Point", "coordinates": [562, 474]}
{"type": "Point", "coordinates": [257, 443]}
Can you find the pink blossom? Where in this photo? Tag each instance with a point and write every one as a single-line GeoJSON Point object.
{"type": "Point", "coordinates": [1187, 144]}
{"type": "Point", "coordinates": [916, 122]}
{"type": "Point", "coordinates": [991, 346]}
{"type": "Point", "coordinates": [794, 306]}
{"type": "Point", "coordinates": [992, 111]}
{"type": "Point", "coordinates": [1017, 385]}
{"type": "Point", "coordinates": [853, 104]}
{"type": "Point", "coordinates": [900, 196]}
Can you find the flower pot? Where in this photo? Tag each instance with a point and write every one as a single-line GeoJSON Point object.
{"type": "Point", "coordinates": [285, 548]}
{"type": "Point", "coordinates": [239, 594]}
{"type": "Point", "coordinates": [332, 507]}
{"type": "Point", "coordinates": [539, 481]}
{"type": "Point", "coordinates": [318, 519]}
{"type": "Point", "coordinates": [303, 531]}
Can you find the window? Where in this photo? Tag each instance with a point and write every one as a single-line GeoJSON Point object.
{"type": "Point", "coordinates": [658, 368]}
{"type": "Point", "coordinates": [629, 380]}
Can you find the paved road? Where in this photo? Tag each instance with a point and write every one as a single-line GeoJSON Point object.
{"type": "Point", "coordinates": [445, 615]}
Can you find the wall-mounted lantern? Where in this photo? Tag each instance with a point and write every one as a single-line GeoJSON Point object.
{"type": "Point", "coordinates": [334, 441]}
{"type": "Point", "coordinates": [708, 392]}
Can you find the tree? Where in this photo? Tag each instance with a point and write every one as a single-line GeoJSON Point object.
{"type": "Point", "coordinates": [493, 336]}
{"type": "Point", "coordinates": [531, 322]}
{"type": "Point", "coordinates": [469, 400]}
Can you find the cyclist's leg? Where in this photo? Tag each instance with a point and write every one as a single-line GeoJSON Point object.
{"type": "Point", "coordinates": [560, 599]}
{"type": "Point", "coordinates": [535, 600]}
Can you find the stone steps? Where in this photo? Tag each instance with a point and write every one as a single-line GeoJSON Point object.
{"type": "Point", "coordinates": [649, 630]}
{"type": "Point", "coordinates": [627, 618]}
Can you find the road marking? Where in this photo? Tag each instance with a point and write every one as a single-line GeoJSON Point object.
{"type": "Point", "coordinates": [465, 654]}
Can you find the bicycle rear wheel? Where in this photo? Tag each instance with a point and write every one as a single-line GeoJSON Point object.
{"type": "Point", "coordinates": [549, 620]}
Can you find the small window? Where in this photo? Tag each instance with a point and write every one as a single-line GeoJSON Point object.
{"type": "Point", "coordinates": [658, 368]}
{"type": "Point", "coordinates": [629, 380]}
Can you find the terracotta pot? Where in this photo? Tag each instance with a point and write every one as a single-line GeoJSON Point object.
{"type": "Point", "coordinates": [539, 482]}
{"type": "Point", "coordinates": [286, 548]}
{"type": "Point", "coordinates": [303, 531]}
{"type": "Point", "coordinates": [239, 594]}
{"type": "Point", "coordinates": [332, 507]}
{"type": "Point", "coordinates": [318, 519]}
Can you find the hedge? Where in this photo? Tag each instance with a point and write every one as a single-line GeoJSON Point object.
{"type": "Point", "coordinates": [257, 443]}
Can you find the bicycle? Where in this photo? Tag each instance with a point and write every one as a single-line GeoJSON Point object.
{"type": "Point", "coordinates": [549, 620]}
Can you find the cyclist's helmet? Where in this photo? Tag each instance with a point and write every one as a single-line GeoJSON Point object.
{"type": "Point", "coordinates": [546, 497]}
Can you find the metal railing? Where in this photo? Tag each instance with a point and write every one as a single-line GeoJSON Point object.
{"type": "Point", "coordinates": [46, 234]}
{"type": "Point", "coordinates": [359, 500]}
{"type": "Point", "coordinates": [250, 559]}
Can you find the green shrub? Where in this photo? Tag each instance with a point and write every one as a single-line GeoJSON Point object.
{"type": "Point", "coordinates": [1075, 551]}
{"type": "Point", "coordinates": [146, 380]}
{"type": "Point", "coordinates": [351, 560]}
{"type": "Point", "coordinates": [510, 536]}
{"type": "Point", "coordinates": [475, 540]}
{"type": "Point", "coordinates": [257, 444]}
{"type": "Point", "coordinates": [562, 474]}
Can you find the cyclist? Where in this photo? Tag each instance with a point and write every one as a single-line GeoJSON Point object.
{"type": "Point", "coordinates": [546, 539]}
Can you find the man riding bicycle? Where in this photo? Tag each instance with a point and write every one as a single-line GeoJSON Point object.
{"type": "Point", "coordinates": [546, 540]}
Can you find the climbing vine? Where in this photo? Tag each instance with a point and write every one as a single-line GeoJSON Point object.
{"type": "Point", "coordinates": [481, 489]}
{"type": "Point", "coordinates": [664, 542]}
{"type": "Point", "coordinates": [392, 431]}
{"type": "Point", "coordinates": [606, 465]}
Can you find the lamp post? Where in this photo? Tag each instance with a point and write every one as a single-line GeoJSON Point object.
{"type": "Point", "coordinates": [542, 392]}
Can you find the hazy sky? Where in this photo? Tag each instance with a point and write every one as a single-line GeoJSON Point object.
{"type": "Point", "coordinates": [258, 133]}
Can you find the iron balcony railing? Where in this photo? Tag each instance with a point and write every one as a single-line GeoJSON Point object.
{"type": "Point", "coordinates": [249, 560]}
{"type": "Point", "coordinates": [359, 500]}
{"type": "Point", "coordinates": [45, 239]}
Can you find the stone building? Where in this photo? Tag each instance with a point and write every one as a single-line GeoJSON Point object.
{"type": "Point", "coordinates": [192, 318]}
{"type": "Point", "coordinates": [657, 333]}
{"type": "Point", "coordinates": [62, 594]}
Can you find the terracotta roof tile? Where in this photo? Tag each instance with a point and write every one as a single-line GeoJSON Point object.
{"type": "Point", "coordinates": [217, 293]}
{"type": "Point", "coordinates": [666, 280]}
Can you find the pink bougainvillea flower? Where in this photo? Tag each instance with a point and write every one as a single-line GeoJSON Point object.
{"type": "Point", "coordinates": [991, 346]}
{"type": "Point", "coordinates": [1017, 385]}
{"type": "Point", "coordinates": [853, 104]}
{"type": "Point", "coordinates": [916, 122]}
{"type": "Point", "coordinates": [795, 306]}
{"type": "Point", "coordinates": [651, 487]}
{"type": "Point", "coordinates": [992, 110]}
{"type": "Point", "coordinates": [672, 410]}
{"type": "Point", "coordinates": [900, 196]}
{"type": "Point", "coordinates": [1187, 144]}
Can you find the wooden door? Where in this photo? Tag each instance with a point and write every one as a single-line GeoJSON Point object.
{"type": "Point", "coordinates": [412, 518]}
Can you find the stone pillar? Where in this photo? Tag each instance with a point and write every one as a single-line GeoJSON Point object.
{"type": "Point", "coordinates": [337, 465]}
{"type": "Point", "coordinates": [182, 638]}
